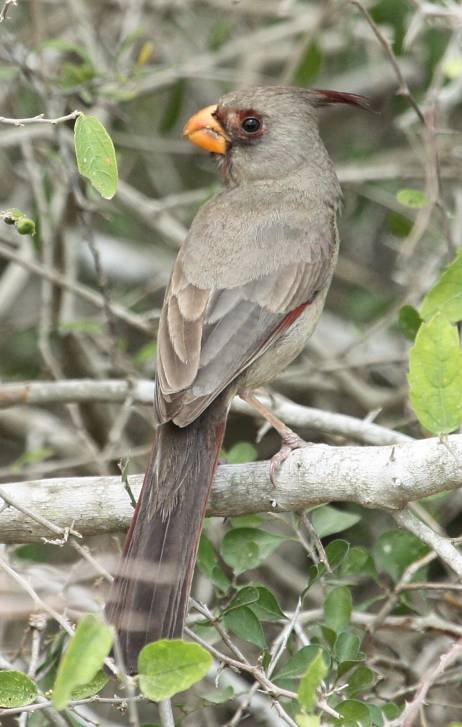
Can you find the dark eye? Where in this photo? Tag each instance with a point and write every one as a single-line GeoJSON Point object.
{"type": "Point", "coordinates": [251, 124]}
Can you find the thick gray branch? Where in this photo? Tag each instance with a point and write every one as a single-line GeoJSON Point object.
{"type": "Point", "coordinates": [386, 477]}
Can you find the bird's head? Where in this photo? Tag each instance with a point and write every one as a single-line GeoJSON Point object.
{"type": "Point", "coordinates": [265, 131]}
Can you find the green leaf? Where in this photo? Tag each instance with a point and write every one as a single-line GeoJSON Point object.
{"type": "Point", "coordinates": [358, 561]}
{"type": "Point", "coordinates": [32, 456]}
{"type": "Point", "coordinates": [207, 560]}
{"type": "Point", "coordinates": [375, 714]}
{"type": "Point", "coordinates": [446, 296]}
{"type": "Point", "coordinates": [347, 666]}
{"type": "Point", "coordinates": [244, 624]}
{"type": "Point", "coordinates": [327, 520]}
{"type": "Point", "coordinates": [146, 353]}
{"type": "Point", "coordinates": [243, 597]}
{"type": "Point", "coordinates": [67, 46]}
{"type": "Point", "coordinates": [297, 664]}
{"type": "Point", "coordinates": [92, 687]}
{"type": "Point", "coordinates": [328, 634]}
{"type": "Point", "coordinates": [346, 646]}
{"type": "Point", "coordinates": [336, 552]}
{"type": "Point", "coordinates": [361, 680]}
{"type": "Point", "coordinates": [219, 33]}
{"type": "Point", "coordinates": [435, 376]}
{"type": "Point", "coordinates": [391, 710]}
{"type": "Point", "coordinates": [398, 224]}
{"type": "Point", "coordinates": [219, 696]}
{"type": "Point", "coordinates": [337, 608]}
{"type": "Point", "coordinates": [308, 720]}
{"type": "Point", "coordinates": [168, 667]}
{"type": "Point", "coordinates": [75, 74]}
{"type": "Point", "coordinates": [173, 106]}
{"type": "Point", "coordinates": [16, 689]}
{"type": "Point", "coordinates": [95, 154]}
{"type": "Point", "coordinates": [310, 65]}
{"type": "Point", "coordinates": [241, 452]}
{"type": "Point", "coordinates": [310, 682]}
{"type": "Point", "coordinates": [245, 548]}
{"type": "Point", "coordinates": [354, 714]}
{"type": "Point", "coordinates": [266, 608]}
{"type": "Point", "coordinates": [409, 321]}
{"type": "Point", "coordinates": [452, 69]}
{"type": "Point", "coordinates": [413, 198]}
{"type": "Point", "coordinates": [82, 659]}
{"type": "Point", "coordinates": [395, 550]}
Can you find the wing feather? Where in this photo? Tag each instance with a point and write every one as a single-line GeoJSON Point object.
{"type": "Point", "coordinates": [211, 329]}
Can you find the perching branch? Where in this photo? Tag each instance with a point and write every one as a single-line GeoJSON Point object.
{"type": "Point", "coordinates": [386, 477]}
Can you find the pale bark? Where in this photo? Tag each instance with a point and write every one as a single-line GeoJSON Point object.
{"type": "Point", "coordinates": [385, 477]}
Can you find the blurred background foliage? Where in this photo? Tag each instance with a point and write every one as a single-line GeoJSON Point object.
{"type": "Point", "coordinates": [142, 67]}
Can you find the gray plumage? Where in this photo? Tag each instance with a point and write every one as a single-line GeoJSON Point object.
{"type": "Point", "coordinates": [245, 293]}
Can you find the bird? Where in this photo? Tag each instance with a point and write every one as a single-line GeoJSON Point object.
{"type": "Point", "coordinates": [246, 291]}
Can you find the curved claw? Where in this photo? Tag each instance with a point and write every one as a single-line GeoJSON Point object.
{"type": "Point", "coordinates": [290, 442]}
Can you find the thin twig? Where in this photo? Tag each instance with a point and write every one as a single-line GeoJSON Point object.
{"type": "Point", "coordinates": [411, 712]}
{"type": "Point", "coordinates": [81, 290]}
{"type": "Point", "coordinates": [403, 86]}
{"type": "Point", "coordinates": [40, 118]}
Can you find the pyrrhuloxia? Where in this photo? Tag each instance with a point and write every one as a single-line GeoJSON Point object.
{"type": "Point", "coordinates": [246, 291]}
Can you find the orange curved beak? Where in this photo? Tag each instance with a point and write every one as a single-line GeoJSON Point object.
{"type": "Point", "coordinates": [205, 131]}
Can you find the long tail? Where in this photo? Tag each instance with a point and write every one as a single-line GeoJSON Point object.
{"type": "Point", "coordinates": [149, 596]}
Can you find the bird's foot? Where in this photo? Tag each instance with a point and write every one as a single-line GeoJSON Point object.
{"type": "Point", "coordinates": [290, 441]}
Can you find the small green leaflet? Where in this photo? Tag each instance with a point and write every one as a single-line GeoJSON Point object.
{"type": "Point", "coordinates": [244, 624]}
{"type": "Point", "coordinates": [337, 608]}
{"type": "Point", "coordinates": [413, 198]}
{"type": "Point", "coordinates": [309, 66]}
{"type": "Point", "coordinates": [354, 714]}
{"type": "Point", "coordinates": [219, 696]}
{"type": "Point", "coordinates": [297, 664]}
{"type": "Point", "coordinates": [95, 155]}
{"type": "Point", "coordinates": [170, 666]}
{"type": "Point", "coordinates": [435, 376]}
{"type": "Point", "coordinates": [240, 453]}
{"type": "Point", "coordinates": [360, 681]}
{"type": "Point", "coordinates": [92, 687]}
{"type": "Point", "coordinates": [245, 548]}
{"type": "Point", "coordinates": [346, 646]}
{"type": "Point", "coordinates": [16, 689]}
{"type": "Point", "coordinates": [409, 321]}
{"type": "Point", "coordinates": [395, 550]}
{"type": "Point", "coordinates": [446, 296]}
{"type": "Point", "coordinates": [452, 68]}
{"type": "Point", "coordinates": [308, 720]}
{"type": "Point", "coordinates": [310, 682]}
{"type": "Point", "coordinates": [327, 520]}
{"type": "Point", "coordinates": [82, 659]}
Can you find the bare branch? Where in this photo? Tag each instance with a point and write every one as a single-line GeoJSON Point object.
{"type": "Point", "coordinates": [81, 290]}
{"type": "Point", "coordinates": [387, 477]}
{"type": "Point", "coordinates": [403, 86]}
{"type": "Point", "coordinates": [6, 6]}
{"type": "Point", "coordinates": [40, 119]}
{"type": "Point", "coordinates": [408, 717]}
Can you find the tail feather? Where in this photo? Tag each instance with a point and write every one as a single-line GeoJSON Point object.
{"type": "Point", "coordinates": [149, 596]}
